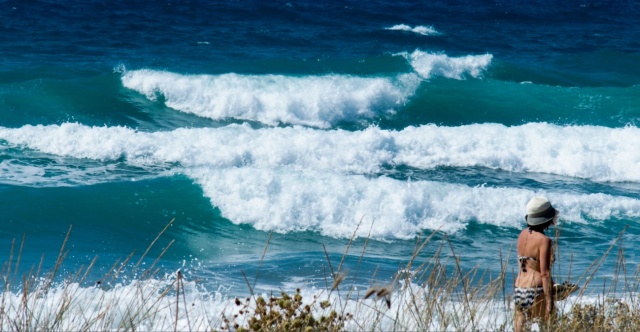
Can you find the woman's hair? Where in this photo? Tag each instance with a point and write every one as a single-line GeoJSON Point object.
{"type": "Point", "coordinates": [542, 227]}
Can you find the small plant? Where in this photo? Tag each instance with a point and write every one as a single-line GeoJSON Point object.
{"type": "Point", "coordinates": [285, 313]}
{"type": "Point", "coordinates": [610, 314]}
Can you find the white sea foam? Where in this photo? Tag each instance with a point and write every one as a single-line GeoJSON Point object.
{"type": "Point", "coordinates": [18, 173]}
{"type": "Point", "coordinates": [296, 179]}
{"type": "Point", "coordinates": [588, 152]}
{"type": "Point", "coordinates": [149, 305]}
{"type": "Point", "coordinates": [143, 306]}
{"type": "Point", "coordinates": [139, 305]}
{"type": "Point", "coordinates": [429, 65]}
{"type": "Point", "coordinates": [284, 200]}
{"type": "Point", "coordinates": [317, 101]}
{"type": "Point", "coordinates": [419, 29]}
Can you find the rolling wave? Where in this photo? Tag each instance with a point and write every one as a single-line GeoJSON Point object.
{"type": "Point", "coordinates": [285, 201]}
{"type": "Point", "coordinates": [301, 179]}
{"type": "Point", "coordinates": [315, 101]}
{"type": "Point", "coordinates": [588, 152]}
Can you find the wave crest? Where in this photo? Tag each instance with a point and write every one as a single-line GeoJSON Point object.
{"type": "Point", "coordinates": [428, 65]}
{"type": "Point", "coordinates": [315, 101]}
{"type": "Point", "coordinates": [419, 29]}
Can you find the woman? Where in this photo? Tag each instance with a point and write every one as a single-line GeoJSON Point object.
{"type": "Point", "coordinates": [533, 295]}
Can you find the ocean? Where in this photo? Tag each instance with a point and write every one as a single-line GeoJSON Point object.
{"type": "Point", "coordinates": [279, 140]}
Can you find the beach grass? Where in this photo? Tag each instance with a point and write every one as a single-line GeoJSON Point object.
{"type": "Point", "coordinates": [434, 294]}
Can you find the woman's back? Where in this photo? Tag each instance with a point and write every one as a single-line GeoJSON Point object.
{"type": "Point", "coordinates": [532, 246]}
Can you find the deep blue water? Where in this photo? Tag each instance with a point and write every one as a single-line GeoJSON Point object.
{"type": "Point", "coordinates": [289, 124]}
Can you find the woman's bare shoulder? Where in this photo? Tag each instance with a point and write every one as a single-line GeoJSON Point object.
{"type": "Point", "coordinates": [537, 237]}
{"type": "Point", "coordinates": [543, 239]}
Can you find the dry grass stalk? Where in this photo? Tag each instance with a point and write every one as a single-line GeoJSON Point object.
{"type": "Point", "coordinates": [33, 312]}
{"type": "Point", "coordinates": [435, 294]}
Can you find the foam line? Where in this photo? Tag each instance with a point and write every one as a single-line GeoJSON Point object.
{"type": "Point", "coordinates": [92, 308]}
{"type": "Point", "coordinates": [586, 152]}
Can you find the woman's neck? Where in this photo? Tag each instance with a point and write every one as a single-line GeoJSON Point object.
{"type": "Point", "coordinates": [531, 230]}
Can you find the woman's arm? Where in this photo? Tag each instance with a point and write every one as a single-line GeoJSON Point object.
{"type": "Point", "coordinates": [545, 272]}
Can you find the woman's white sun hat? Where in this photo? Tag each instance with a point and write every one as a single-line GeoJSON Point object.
{"type": "Point", "coordinates": [539, 211]}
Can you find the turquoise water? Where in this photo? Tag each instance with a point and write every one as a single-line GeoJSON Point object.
{"type": "Point", "coordinates": [297, 125]}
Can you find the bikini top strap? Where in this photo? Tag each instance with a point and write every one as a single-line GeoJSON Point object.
{"type": "Point", "coordinates": [523, 262]}
{"type": "Point", "coordinates": [525, 258]}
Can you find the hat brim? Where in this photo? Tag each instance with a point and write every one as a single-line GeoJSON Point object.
{"type": "Point", "coordinates": [542, 219]}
